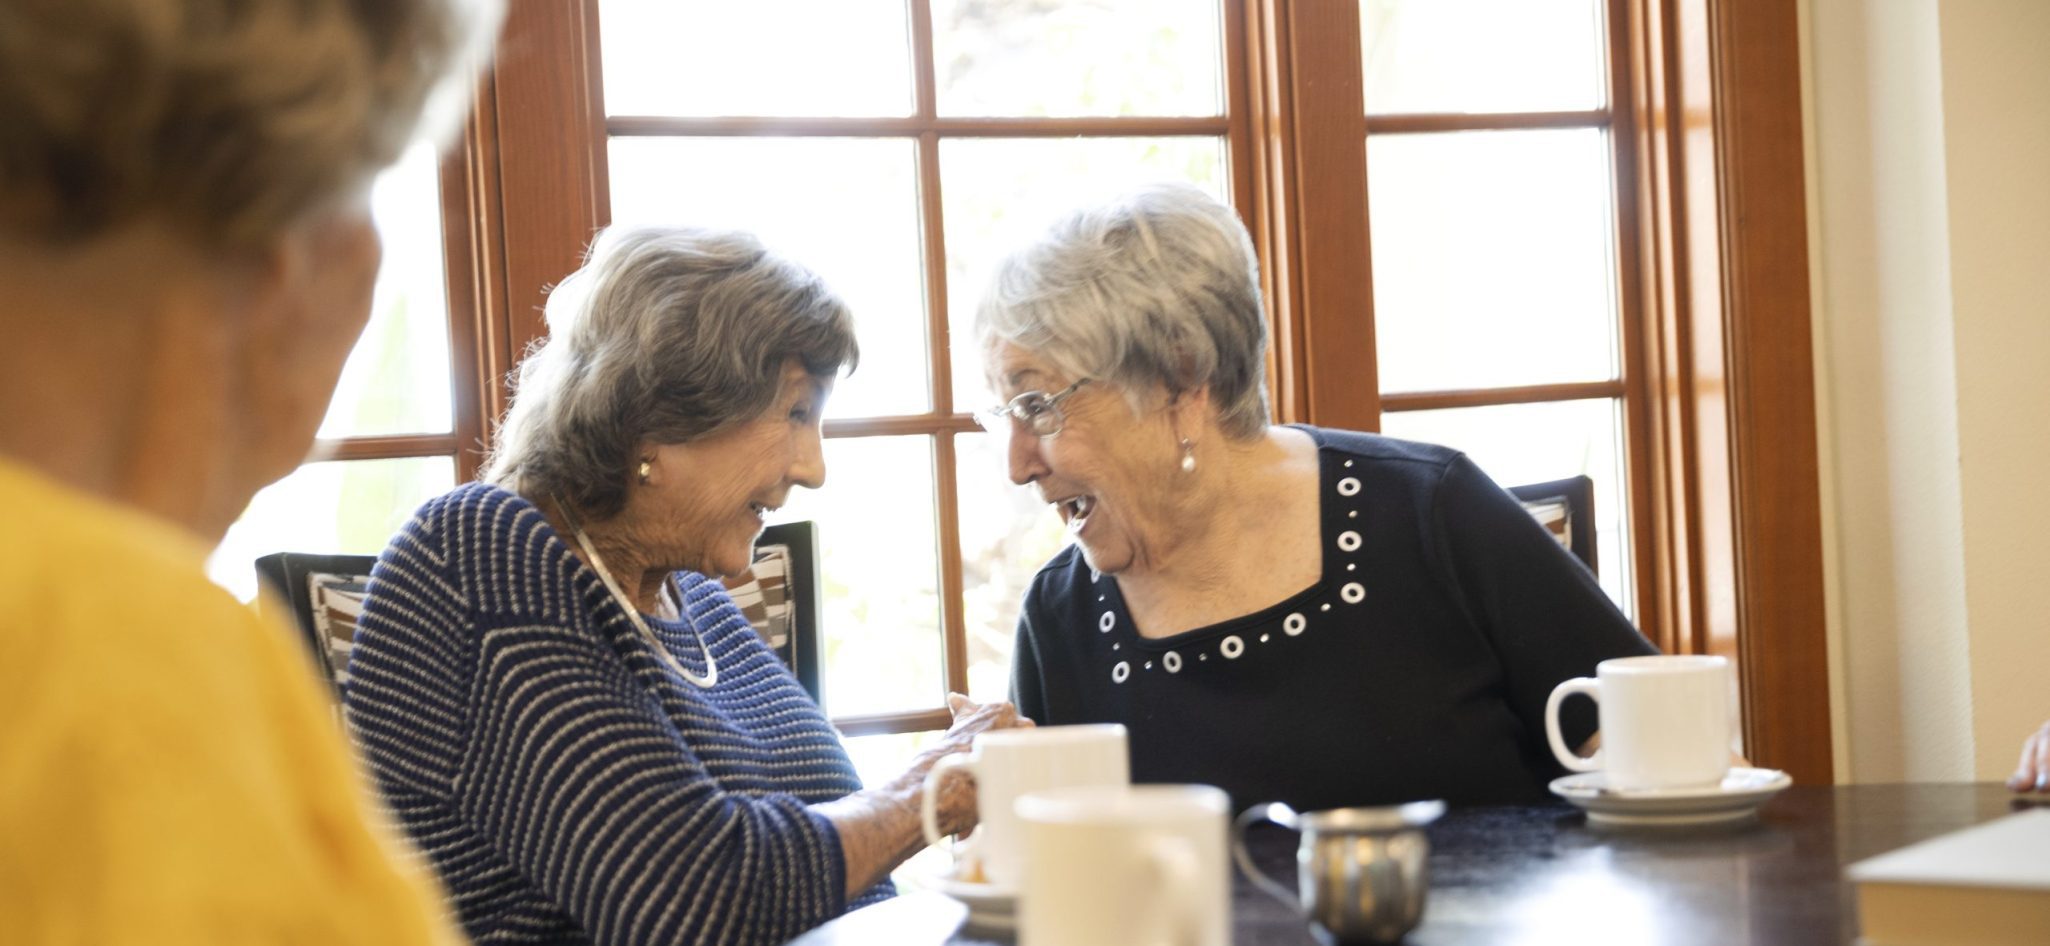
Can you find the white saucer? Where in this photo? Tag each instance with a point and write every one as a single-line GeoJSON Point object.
{"type": "Point", "coordinates": [990, 907]}
{"type": "Point", "coordinates": [1736, 799]}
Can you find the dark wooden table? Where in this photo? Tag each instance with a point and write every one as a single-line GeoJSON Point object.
{"type": "Point", "coordinates": [1540, 874]}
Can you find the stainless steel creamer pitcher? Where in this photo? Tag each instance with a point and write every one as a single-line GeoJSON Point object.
{"type": "Point", "coordinates": [1362, 873]}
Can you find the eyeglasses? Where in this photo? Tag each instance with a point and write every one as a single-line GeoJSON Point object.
{"type": "Point", "coordinates": [1039, 411]}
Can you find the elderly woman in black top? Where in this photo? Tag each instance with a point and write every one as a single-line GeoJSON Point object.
{"type": "Point", "coordinates": [1322, 617]}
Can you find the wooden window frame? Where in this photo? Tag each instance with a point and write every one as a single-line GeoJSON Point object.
{"type": "Point", "coordinates": [1717, 375]}
{"type": "Point", "coordinates": [466, 255]}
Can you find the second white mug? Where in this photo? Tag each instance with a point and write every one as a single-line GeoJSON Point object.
{"type": "Point", "coordinates": [1008, 763]}
{"type": "Point", "coordinates": [1138, 866]}
{"type": "Point", "coordinates": [1665, 722]}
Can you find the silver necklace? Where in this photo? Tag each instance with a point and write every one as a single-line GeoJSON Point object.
{"type": "Point", "coordinates": [711, 675]}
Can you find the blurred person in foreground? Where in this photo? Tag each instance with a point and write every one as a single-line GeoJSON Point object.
{"type": "Point", "coordinates": [1292, 613]}
{"type": "Point", "coordinates": [563, 705]}
{"type": "Point", "coordinates": [186, 259]}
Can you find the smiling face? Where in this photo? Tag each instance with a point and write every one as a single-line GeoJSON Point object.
{"type": "Point", "coordinates": [705, 501]}
{"type": "Point", "coordinates": [1106, 474]}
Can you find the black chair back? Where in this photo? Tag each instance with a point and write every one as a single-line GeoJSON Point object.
{"type": "Point", "coordinates": [1565, 508]}
{"type": "Point", "coordinates": [323, 595]}
{"type": "Point", "coordinates": [781, 597]}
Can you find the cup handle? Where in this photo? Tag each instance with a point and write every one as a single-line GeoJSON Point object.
{"type": "Point", "coordinates": [1174, 862]}
{"type": "Point", "coordinates": [929, 804]}
{"type": "Point", "coordinates": [1279, 814]}
{"type": "Point", "coordinates": [1592, 689]}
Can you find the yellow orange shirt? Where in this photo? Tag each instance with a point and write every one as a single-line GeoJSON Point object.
{"type": "Point", "coordinates": [169, 772]}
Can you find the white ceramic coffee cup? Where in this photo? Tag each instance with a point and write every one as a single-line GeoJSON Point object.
{"type": "Point", "coordinates": [1138, 866]}
{"type": "Point", "coordinates": [1665, 722]}
{"type": "Point", "coordinates": [1008, 763]}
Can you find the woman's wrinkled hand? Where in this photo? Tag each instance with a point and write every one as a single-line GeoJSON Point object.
{"type": "Point", "coordinates": [957, 792]}
{"type": "Point", "coordinates": [2032, 773]}
{"type": "Point", "coordinates": [971, 718]}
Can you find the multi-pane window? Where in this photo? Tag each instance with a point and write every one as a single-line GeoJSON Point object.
{"type": "Point", "coordinates": [1540, 214]}
{"type": "Point", "coordinates": [1493, 219]}
{"type": "Point", "coordinates": [900, 150]}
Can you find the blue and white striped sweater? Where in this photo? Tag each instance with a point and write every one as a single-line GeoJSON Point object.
{"type": "Point", "coordinates": [565, 784]}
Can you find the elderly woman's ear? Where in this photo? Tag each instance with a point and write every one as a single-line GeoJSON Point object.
{"type": "Point", "coordinates": [647, 465]}
{"type": "Point", "coordinates": [1190, 415]}
{"type": "Point", "coordinates": [1191, 409]}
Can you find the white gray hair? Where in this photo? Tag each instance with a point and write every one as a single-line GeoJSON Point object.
{"type": "Point", "coordinates": [1157, 290]}
{"type": "Point", "coordinates": [229, 120]}
{"type": "Point", "coordinates": [667, 334]}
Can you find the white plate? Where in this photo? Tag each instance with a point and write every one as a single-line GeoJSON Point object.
{"type": "Point", "coordinates": [1736, 799]}
{"type": "Point", "coordinates": [990, 907]}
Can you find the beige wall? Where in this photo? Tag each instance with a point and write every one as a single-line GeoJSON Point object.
{"type": "Point", "coordinates": [1929, 163]}
{"type": "Point", "coordinates": [1996, 106]}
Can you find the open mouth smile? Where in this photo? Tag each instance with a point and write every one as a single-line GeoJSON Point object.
{"type": "Point", "coordinates": [1075, 510]}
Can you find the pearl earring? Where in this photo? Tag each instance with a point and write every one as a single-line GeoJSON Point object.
{"type": "Point", "coordinates": [1188, 456]}
{"type": "Point", "coordinates": [644, 472]}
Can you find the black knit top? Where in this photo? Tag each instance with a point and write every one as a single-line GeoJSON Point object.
{"type": "Point", "coordinates": [1417, 667]}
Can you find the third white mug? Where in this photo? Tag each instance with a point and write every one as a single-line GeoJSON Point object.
{"type": "Point", "coordinates": [1665, 721]}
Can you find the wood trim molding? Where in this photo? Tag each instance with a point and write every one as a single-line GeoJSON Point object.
{"type": "Point", "coordinates": [1262, 108]}
{"type": "Point", "coordinates": [913, 126]}
{"type": "Point", "coordinates": [883, 724]}
{"type": "Point", "coordinates": [1776, 502]}
{"type": "Point", "coordinates": [392, 447]}
{"type": "Point", "coordinates": [1243, 154]}
{"type": "Point", "coordinates": [1497, 121]}
{"type": "Point", "coordinates": [473, 235]}
{"type": "Point", "coordinates": [1634, 228]}
{"type": "Point", "coordinates": [1488, 397]}
{"type": "Point", "coordinates": [1310, 217]}
{"type": "Point", "coordinates": [1735, 490]}
{"type": "Point", "coordinates": [946, 488]}
{"type": "Point", "coordinates": [551, 153]}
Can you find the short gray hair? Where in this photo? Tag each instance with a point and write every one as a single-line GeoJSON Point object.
{"type": "Point", "coordinates": [1155, 290]}
{"type": "Point", "coordinates": [666, 334]}
{"type": "Point", "coordinates": [229, 120]}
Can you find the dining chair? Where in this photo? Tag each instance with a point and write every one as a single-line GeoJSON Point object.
{"type": "Point", "coordinates": [780, 595]}
{"type": "Point", "coordinates": [323, 594]}
{"type": "Point", "coordinates": [1566, 509]}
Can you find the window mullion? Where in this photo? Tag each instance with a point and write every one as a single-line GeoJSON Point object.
{"type": "Point", "coordinates": [947, 518]}
{"type": "Point", "coordinates": [924, 84]}
{"type": "Point", "coordinates": [1310, 213]}
{"type": "Point", "coordinates": [387, 447]}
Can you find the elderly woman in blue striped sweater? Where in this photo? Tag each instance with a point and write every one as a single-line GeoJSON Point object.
{"type": "Point", "coordinates": [563, 706]}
